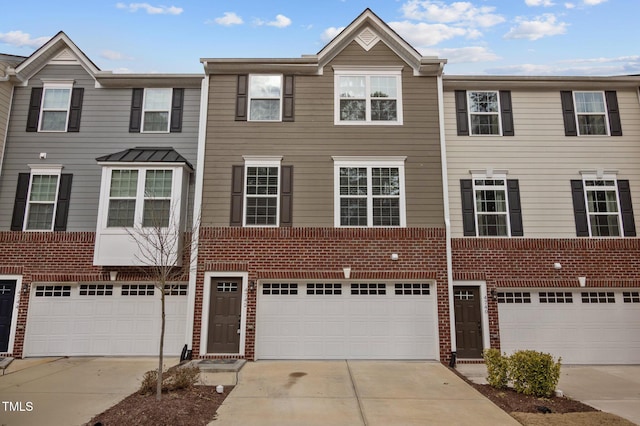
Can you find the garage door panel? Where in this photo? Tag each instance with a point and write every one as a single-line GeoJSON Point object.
{"type": "Point", "coordinates": [103, 324]}
{"type": "Point", "coordinates": [345, 325]}
{"type": "Point", "coordinates": [587, 331]}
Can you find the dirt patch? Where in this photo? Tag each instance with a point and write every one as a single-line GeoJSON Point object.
{"type": "Point", "coordinates": [596, 418]}
{"type": "Point", "coordinates": [194, 406]}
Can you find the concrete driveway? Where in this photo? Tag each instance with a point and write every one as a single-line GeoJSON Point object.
{"type": "Point", "coordinates": [611, 388]}
{"type": "Point", "coordinates": [354, 393]}
{"type": "Point", "coordinates": [67, 391]}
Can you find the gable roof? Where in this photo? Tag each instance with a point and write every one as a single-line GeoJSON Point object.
{"type": "Point", "coordinates": [145, 155]}
{"type": "Point", "coordinates": [59, 47]}
{"type": "Point", "coordinates": [367, 29]}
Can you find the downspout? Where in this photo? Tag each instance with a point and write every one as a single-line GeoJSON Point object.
{"type": "Point", "coordinates": [447, 220]}
{"type": "Point", "coordinates": [197, 208]}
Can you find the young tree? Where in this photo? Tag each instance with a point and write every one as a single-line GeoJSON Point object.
{"type": "Point", "coordinates": [166, 254]}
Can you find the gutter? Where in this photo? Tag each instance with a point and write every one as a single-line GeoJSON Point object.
{"type": "Point", "coordinates": [447, 220]}
{"type": "Point", "coordinates": [197, 209]}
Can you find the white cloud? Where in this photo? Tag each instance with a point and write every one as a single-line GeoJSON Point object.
{"type": "Point", "coordinates": [545, 3]}
{"type": "Point", "coordinates": [330, 33]}
{"type": "Point", "coordinates": [569, 5]}
{"type": "Point", "coordinates": [20, 39]}
{"type": "Point", "coordinates": [542, 26]}
{"type": "Point", "coordinates": [593, 2]}
{"type": "Point", "coordinates": [151, 10]}
{"type": "Point", "coordinates": [622, 65]}
{"type": "Point", "coordinates": [281, 21]}
{"type": "Point", "coordinates": [460, 13]}
{"type": "Point", "coordinates": [228, 19]}
{"type": "Point", "coordinates": [463, 55]}
{"type": "Point", "coordinates": [421, 34]}
{"type": "Point", "coordinates": [112, 55]}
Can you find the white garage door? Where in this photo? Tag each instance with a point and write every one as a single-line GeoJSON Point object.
{"type": "Point", "coordinates": [581, 326]}
{"type": "Point", "coordinates": [346, 321]}
{"type": "Point", "coordinates": [103, 319]}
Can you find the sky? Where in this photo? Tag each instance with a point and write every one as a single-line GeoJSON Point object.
{"type": "Point", "coordinates": [495, 37]}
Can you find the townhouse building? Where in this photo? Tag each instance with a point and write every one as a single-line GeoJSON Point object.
{"type": "Point", "coordinates": [322, 228]}
{"type": "Point", "coordinates": [90, 157]}
{"type": "Point", "coordinates": [542, 178]}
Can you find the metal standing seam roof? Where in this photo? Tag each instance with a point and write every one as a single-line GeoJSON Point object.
{"type": "Point", "coordinates": [146, 155]}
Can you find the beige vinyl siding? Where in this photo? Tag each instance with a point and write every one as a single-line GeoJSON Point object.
{"type": "Point", "coordinates": [310, 142]}
{"type": "Point", "coordinates": [543, 159]}
{"type": "Point", "coordinates": [104, 129]}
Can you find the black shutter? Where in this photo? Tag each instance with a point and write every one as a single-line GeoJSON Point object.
{"type": "Point", "coordinates": [62, 207]}
{"type": "Point", "coordinates": [615, 127]}
{"type": "Point", "coordinates": [579, 208]}
{"type": "Point", "coordinates": [515, 210]}
{"type": "Point", "coordinates": [34, 109]}
{"type": "Point", "coordinates": [237, 195]}
{"type": "Point", "coordinates": [177, 104]}
{"type": "Point", "coordinates": [242, 97]}
{"type": "Point", "coordinates": [286, 196]}
{"type": "Point", "coordinates": [568, 113]}
{"type": "Point", "coordinates": [626, 208]}
{"type": "Point", "coordinates": [461, 113]}
{"type": "Point", "coordinates": [20, 203]}
{"type": "Point", "coordinates": [468, 211]}
{"type": "Point", "coordinates": [136, 110]}
{"type": "Point", "coordinates": [287, 98]}
{"type": "Point", "coordinates": [75, 111]}
{"type": "Point", "coordinates": [507, 113]}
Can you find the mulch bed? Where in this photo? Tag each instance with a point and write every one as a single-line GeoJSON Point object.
{"type": "Point", "coordinates": [193, 406]}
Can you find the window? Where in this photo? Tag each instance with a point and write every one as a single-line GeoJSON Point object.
{"type": "Point", "coordinates": [514, 297]}
{"type": "Point", "coordinates": [175, 289]}
{"type": "Point", "coordinates": [280, 289]}
{"type": "Point", "coordinates": [631, 296]}
{"type": "Point", "coordinates": [96, 289]}
{"type": "Point", "coordinates": [262, 192]}
{"type": "Point", "coordinates": [484, 112]}
{"type": "Point", "coordinates": [42, 200]}
{"type": "Point", "coordinates": [127, 193]}
{"type": "Point", "coordinates": [56, 101]}
{"type": "Point", "coordinates": [156, 110]}
{"type": "Point", "coordinates": [138, 290]}
{"type": "Point", "coordinates": [491, 206]}
{"type": "Point", "coordinates": [324, 289]}
{"type": "Point", "coordinates": [555, 297]}
{"type": "Point", "coordinates": [591, 113]}
{"type": "Point", "coordinates": [55, 107]}
{"type": "Point", "coordinates": [369, 289]}
{"type": "Point", "coordinates": [265, 97]}
{"type": "Point", "coordinates": [369, 192]}
{"type": "Point", "coordinates": [53, 291]}
{"type": "Point", "coordinates": [368, 96]}
{"type": "Point", "coordinates": [598, 297]}
{"type": "Point", "coordinates": [602, 206]}
{"type": "Point", "coordinates": [412, 289]}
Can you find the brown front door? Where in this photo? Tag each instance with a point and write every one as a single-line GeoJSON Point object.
{"type": "Point", "coordinates": [468, 322]}
{"type": "Point", "coordinates": [224, 315]}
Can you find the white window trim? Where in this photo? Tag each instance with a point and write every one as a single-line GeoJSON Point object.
{"type": "Point", "coordinates": [249, 98]}
{"type": "Point", "coordinates": [261, 161]}
{"type": "Point", "coordinates": [490, 176]}
{"type": "Point", "coordinates": [57, 85]}
{"type": "Point", "coordinates": [168, 110]}
{"type": "Point", "coordinates": [602, 176]}
{"type": "Point", "coordinates": [367, 72]}
{"type": "Point", "coordinates": [499, 113]}
{"type": "Point", "coordinates": [368, 162]}
{"type": "Point", "coordinates": [39, 170]}
{"type": "Point", "coordinates": [605, 113]}
{"type": "Point", "coordinates": [176, 193]}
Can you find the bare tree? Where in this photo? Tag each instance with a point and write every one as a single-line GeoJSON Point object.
{"type": "Point", "coordinates": [166, 255]}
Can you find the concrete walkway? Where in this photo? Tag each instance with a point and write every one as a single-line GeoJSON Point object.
{"type": "Point", "coordinates": [611, 388]}
{"type": "Point", "coordinates": [354, 393]}
{"type": "Point", "coordinates": [68, 391]}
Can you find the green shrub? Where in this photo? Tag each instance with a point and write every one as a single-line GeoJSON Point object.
{"type": "Point", "coordinates": [497, 368]}
{"type": "Point", "coordinates": [173, 379]}
{"type": "Point", "coordinates": [534, 373]}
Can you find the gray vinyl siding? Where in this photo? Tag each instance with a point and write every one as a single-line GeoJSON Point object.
{"type": "Point", "coordinates": [543, 159]}
{"type": "Point", "coordinates": [104, 129]}
{"type": "Point", "coordinates": [310, 142]}
{"type": "Point", "coordinates": [5, 101]}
